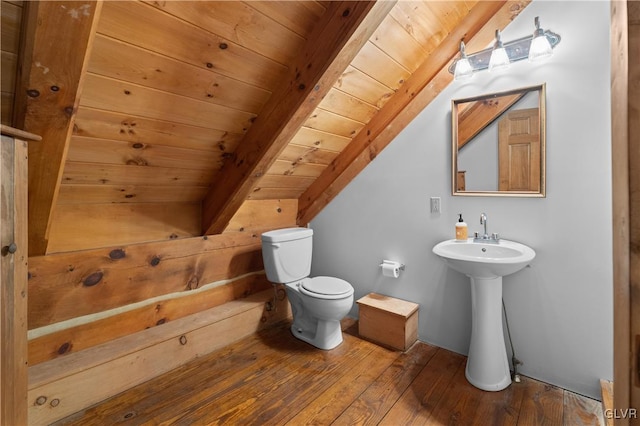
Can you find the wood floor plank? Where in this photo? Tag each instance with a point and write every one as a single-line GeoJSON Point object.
{"type": "Point", "coordinates": [329, 404]}
{"type": "Point", "coordinates": [458, 404]}
{"type": "Point", "coordinates": [373, 404]}
{"type": "Point", "coordinates": [581, 411]}
{"type": "Point", "coordinates": [542, 404]}
{"type": "Point", "coordinates": [501, 408]}
{"type": "Point", "coordinates": [276, 389]}
{"type": "Point", "coordinates": [272, 378]}
{"type": "Point", "coordinates": [184, 385]}
{"type": "Point", "coordinates": [423, 396]}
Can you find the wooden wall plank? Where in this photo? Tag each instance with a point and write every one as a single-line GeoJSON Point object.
{"type": "Point", "coordinates": [304, 154]}
{"type": "Point", "coordinates": [260, 193]}
{"type": "Point", "coordinates": [100, 194]}
{"type": "Point", "coordinates": [307, 136]}
{"type": "Point", "coordinates": [287, 168]}
{"type": "Point", "coordinates": [157, 31]}
{"type": "Point", "coordinates": [299, 17]}
{"type": "Point", "coordinates": [126, 127]}
{"type": "Point", "coordinates": [341, 103]}
{"type": "Point", "coordinates": [327, 121]}
{"type": "Point", "coordinates": [67, 285]}
{"type": "Point", "coordinates": [80, 227]}
{"type": "Point", "coordinates": [424, 85]}
{"type": "Point", "coordinates": [264, 214]}
{"type": "Point", "coordinates": [364, 87]}
{"type": "Point", "coordinates": [97, 174]}
{"type": "Point", "coordinates": [393, 39]}
{"type": "Point", "coordinates": [103, 151]}
{"type": "Point", "coordinates": [10, 23]}
{"type": "Point", "coordinates": [239, 23]}
{"type": "Point", "coordinates": [77, 337]}
{"type": "Point", "coordinates": [49, 88]}
{"type": "Point", "coordinates": [422, 22]}
{"type": "Point", "coordinates": [333, 44]}
{"type": "Point", "coordinates": [621, 59]}
{"type": "Point", "coordinates": [134, 359]}
{"type": "Point", "coordinates": [13, 286]}
{"type": "Point", "coordinates": [117, 95]}
{"type": "Point", "coordinates": [119, 60]}
{"type": "Point", "coordinates": [378, 65]}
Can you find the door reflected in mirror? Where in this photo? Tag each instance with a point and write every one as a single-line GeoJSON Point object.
{"type": "Point", "coordinates": [498, 143]}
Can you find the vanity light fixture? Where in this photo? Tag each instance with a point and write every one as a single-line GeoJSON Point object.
{"type": "Point", "coordinates": [537, 46]}
{"type": "Point", "coordinates": [463, 69]}
{"type": "Point", "coordinates": [499, 59]}
{"type": "Point", "coordinates": [540, 47]}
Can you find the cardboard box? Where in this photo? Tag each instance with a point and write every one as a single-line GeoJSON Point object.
{"type": "Point", "coordinates": [388, 321]}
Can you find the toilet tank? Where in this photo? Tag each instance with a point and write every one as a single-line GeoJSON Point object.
{"type": "Point", "coordinates": [287, 254]}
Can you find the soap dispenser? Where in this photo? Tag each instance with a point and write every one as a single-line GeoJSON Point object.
{"type": "Point", "coordinates": [461, 229]}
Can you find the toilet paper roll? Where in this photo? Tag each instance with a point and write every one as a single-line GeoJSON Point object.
{"type": "Point", "coordinates": [390, 269]}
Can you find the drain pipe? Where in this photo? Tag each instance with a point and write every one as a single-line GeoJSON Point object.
{"type": "Point", "coordinates": [514, 361]}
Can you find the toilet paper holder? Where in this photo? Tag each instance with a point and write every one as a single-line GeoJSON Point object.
{"type": "Point", "coordinates": [400, 266]}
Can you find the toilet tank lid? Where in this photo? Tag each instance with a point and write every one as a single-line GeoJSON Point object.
{"type": "Point", "coordinates": [286, 234]}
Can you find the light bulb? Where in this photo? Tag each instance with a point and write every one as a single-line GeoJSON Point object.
{"type": "Point", "coordinates": [540, 47]}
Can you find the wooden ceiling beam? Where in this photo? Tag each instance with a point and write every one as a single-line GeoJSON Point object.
{"type": "Point", "coordinates": [56, 45]}
{"type": "Point", "coordinates": [345, 28]}
{"type": "Point", "coordinates": [477, 29]}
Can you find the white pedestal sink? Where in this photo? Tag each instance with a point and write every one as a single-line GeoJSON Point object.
{"type": "Point", "coordinates": [485, 264]}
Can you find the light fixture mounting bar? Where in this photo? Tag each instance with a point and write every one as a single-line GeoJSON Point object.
{"type": "Point", "coordinates": [516, 50]}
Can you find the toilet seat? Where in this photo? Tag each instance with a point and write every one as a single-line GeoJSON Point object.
{"type": "Point", "coordinates": [326, 288]}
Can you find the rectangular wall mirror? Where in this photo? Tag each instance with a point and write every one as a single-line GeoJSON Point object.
{"type": "Point", "coordinates": [498, 144]}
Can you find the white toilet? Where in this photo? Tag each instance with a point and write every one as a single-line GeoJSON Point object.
{"type": "Point", "coordinates": [318, 304]}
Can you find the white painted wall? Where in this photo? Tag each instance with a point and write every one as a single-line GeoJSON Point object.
{"type": "Point", "coordinates": [560, 310]}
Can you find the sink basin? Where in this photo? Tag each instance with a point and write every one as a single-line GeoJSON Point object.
{"type": "Point", "coordinates": [485, 264]}
{"type": "Point", "coordinates": [483, 260]}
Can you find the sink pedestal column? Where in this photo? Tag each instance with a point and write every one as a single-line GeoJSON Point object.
{"type": "Point", "coordinates": [487, 364]}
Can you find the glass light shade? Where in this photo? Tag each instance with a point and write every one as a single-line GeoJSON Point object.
{"type": "Point", "coordinates": [499, 59]}
{"type": "Point", "coordinates": [540, 48]}
{"type": "Point", "coordinates": [463, 69]}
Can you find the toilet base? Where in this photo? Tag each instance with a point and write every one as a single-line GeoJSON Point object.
{"type": "Point", "coordinates": [327, 336]}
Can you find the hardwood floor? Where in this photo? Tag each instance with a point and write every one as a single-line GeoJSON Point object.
{"type": "Point", "coordinates": [272, 378]}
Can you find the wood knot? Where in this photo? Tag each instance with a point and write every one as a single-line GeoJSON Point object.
{"type": "Point", "coordinates": [64, 348]}
{"type": "Point", "coordinates": [346, 12]}
{"type": "Point", "coordinates": [137, 145]}
{"type": "Point", "coordinates": [161, 321]}
{"type": "Point", "coordinates": [223, 46]}
{"type": "Point", "coordinates": [93, 279]}
{"type": "Point", "coordinates": [41, 400]}
{"type": "Point", "coordinates": [117, 254]}
{"type": "Point", "coordinates": [155, 261]}
{"type": "Point", "coordinates": [54, 88]}
{"type": "Point", "coordinates": [183, 340]}
{"type": "Point", "coordinates": [33, 93]}
{"type": "Point", "coordinates": [193, 283]}
{"type": "Point", "coordinates": [137, 161]}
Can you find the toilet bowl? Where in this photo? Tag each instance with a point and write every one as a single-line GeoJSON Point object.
{"type": "Point", "coordinates": [318, 304]}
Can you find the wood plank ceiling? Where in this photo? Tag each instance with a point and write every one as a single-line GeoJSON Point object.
{"type": "Point", "coordinates": [193, 108]}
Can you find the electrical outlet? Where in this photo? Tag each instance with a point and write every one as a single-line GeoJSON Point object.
{"type": "Point", "coordinates": [435, 204]}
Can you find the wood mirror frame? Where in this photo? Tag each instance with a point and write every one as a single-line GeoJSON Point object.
{"type": "Point", "coordinates": [498, 144]}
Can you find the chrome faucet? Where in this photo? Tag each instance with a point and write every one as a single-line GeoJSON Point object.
{"type": "Point", "coordinates": [486, 238]}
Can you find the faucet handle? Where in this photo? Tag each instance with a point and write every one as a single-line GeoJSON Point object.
{"type": "Point", "coordinates": [495, 236]}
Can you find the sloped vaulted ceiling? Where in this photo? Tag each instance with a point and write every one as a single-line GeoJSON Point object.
{"type": "Point", "coordinates": [193, 108]}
